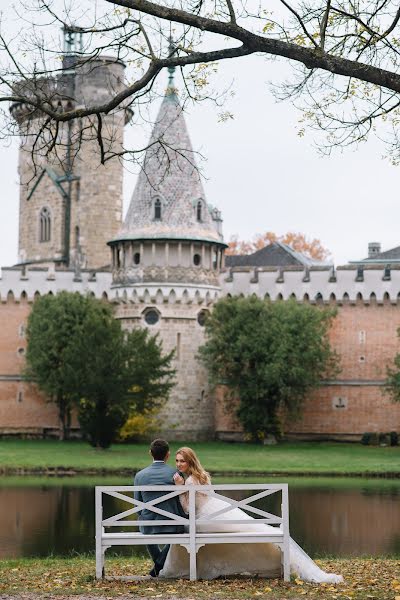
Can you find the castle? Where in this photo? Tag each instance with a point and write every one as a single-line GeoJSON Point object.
{"type": "Point", "coordinates": [164, 267]}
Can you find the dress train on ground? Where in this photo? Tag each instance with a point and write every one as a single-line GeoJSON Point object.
{"type": "Point", "coordinates": [219, 560]}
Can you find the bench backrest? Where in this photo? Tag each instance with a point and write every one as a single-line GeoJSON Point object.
{"type": "Point", "coordinates": [126, 495]}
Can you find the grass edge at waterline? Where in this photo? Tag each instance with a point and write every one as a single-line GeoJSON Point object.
{"type": "Point", "coordinates": [220, 458]}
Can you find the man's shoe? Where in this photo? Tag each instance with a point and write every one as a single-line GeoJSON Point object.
{"type": "Point", "coordinates": [153, 572]}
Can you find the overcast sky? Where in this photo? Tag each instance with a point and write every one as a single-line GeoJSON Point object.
{"type": "Point", "coordinates": [262, 176]}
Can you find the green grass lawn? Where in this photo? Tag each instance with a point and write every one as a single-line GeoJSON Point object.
{"type": "Point", "coordinates": [363, 578]}
{"type": "Point", "coordinates": [218, 457]}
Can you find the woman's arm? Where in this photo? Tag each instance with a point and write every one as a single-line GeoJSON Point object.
{"type": "Point", "coordinates": [184, 498]}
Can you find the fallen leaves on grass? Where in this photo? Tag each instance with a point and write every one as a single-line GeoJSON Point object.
{"type": "Point", "coordinates": [375, 579]}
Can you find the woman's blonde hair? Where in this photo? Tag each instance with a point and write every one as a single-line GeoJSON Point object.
{"type": "Point", "coordinates": [195, 467]}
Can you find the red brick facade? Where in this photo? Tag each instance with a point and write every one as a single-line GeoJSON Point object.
{"type": "Point", "coordinates": [365, 337]}
{"type": "Point", "coordinates": [22, 407]}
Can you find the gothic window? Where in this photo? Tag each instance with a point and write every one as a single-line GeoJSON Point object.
{"type": "Point", "coordinates": [44, 225]}
{"type": "Point", "coordinates": [136, 258]}
{"type": "Point", "coordinates": [157, 210]}
{"type": "Point", "coordinates": [198, 210]}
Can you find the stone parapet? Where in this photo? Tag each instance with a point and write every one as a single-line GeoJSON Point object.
{"type": "Point", "coordinates": [347, 284]}
{"type": "Point", "coordinates": [23, 284]}
{"type": "Point", "coordinates": [173, 293]}
{"type": "Point", "coordinates": [165, 274]}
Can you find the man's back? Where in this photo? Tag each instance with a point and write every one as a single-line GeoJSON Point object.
{"type": "Point", "coordinates": [158, 473]}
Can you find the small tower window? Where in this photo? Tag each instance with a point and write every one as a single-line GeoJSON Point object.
{"type": "Point", "coordinates": [151, 316]}
{"type": "Point", "coordinates": [198, 211]}
{"type": "Point", "coordinates": [77, 237]}
{"type": "Point", "coordinates": [44, 225]}
{"type": "Point", "coordinates": [197, 260]}
{"type": "Point", "coordinates": [202, 317]}
{"type": "Point", "coordinates": [157, 210]}
{"type": "Point", "coordinates": [136, 258]}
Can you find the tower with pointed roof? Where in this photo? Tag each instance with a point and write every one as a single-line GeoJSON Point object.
{"type": "Point", "coordinates": [166, 261]}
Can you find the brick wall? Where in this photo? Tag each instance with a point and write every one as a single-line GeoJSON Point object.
{"type": "Point", "coordinates": [22, 406]}
{"type": "Point", "coordinates": [365, 336]}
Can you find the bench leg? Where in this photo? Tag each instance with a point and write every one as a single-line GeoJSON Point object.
{"type": "Point", "coordinates": [286, 563]}
{"type": "Point", "coordinates": [193, 565]}
{"type": "Point", "coordinates": [100, 572]}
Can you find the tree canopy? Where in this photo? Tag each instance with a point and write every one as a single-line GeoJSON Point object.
{"type": "Point", "coordinates": [270, 355]}
{"type": "Point", "coordinates": [392, 387]}
{"type": "Point", "coordinates": [79, 355]}
{"type": "Point", "coordinates": [345, 57]}
{"type": "Point", "coordinates": [298, 241]}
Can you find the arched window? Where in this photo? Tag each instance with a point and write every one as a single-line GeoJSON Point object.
{"type": "Point", "coordinates": [198, 210]}
{"type": "Point", "coordinates": [44, 225]}
{"type": "Point", "coordinates": [157, 210]}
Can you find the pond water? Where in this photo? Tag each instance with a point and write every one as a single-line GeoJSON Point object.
{"type": "Point", "coordinates": [340, 517]}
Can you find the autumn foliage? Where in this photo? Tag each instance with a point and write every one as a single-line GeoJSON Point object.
{"type": "Point", "coordinates": [297, 241]}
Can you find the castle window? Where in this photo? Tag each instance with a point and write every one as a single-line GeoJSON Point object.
{"type": "Point", "coordinates": [198, 210]}
{"type": "Point", "coordinates": [157, 210]}
{"type": "Point", "coordinates": [136, 258]}
{"type": "Point", "coordinates": [151, 316]}
{"type": "Point", "coordinates": [21, 351]}
{"type": "Point", "coordinates": [202, 317]}
{"type": "Point", "coordinates": [362, 337]}
{"type": "Point", "coordinates": [20, 397]}
{"type": "Point", "coordinates": [44, 225]}
{"type": "Point", "coordinates": [77, 237]}
{"type": "Point", "coordinates": [21, 330]}
{"type": "Point", "coordinates": [386, 273]}
{"type": "Point", "coordinates": [197, 260]}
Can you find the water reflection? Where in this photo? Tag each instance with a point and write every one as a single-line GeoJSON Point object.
{"type": "Point", "coordinates": [337, 517]}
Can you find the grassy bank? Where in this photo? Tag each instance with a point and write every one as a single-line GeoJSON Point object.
{"type": "Point", "coordinates": [364, 578]}
{"type": "Point", "coordinates": [325, 458]}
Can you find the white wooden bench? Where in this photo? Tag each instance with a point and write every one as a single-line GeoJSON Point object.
{"type": "Point", "coordinates": [193, 538]}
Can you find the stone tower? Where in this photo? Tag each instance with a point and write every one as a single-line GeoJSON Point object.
{"type": "Point", "coordinates": [70, 204]}
{"type": "Point", "coordinates": [166, 262]}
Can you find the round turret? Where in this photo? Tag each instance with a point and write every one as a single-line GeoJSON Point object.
{"type": "Point", "coordinates": [166, 261]}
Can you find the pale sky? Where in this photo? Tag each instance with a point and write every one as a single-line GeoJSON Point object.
{"type": "Point", "coordinates": [263, 177]}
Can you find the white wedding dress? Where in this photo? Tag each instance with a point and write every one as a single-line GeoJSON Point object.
{"type": "Point", "coordinates": [216, 560]}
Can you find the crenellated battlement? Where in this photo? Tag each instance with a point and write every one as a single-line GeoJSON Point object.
{"type": "Point", "coordinates": [22, 284]}
{"type": "Point", "coordinates": [345, 284]}
{"type": "Point", "coordinates": [167, 294]}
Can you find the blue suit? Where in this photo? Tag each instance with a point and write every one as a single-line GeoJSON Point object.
{"type": "Point", "coordinates": [158, 473]}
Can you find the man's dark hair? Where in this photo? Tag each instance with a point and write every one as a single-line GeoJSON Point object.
{"type": "Point", "coordinates": [159, 449]}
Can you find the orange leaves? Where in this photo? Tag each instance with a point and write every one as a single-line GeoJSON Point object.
{"type": "Point", "coordinates": [296, 240]}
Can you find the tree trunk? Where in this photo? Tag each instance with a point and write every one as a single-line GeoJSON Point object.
{"type": "Point", "coordinates": [62, 413]}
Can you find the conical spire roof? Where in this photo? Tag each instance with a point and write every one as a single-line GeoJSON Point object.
{"type": "Point", "coordinates": [170, 179]}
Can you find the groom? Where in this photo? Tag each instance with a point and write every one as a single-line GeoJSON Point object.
{"type": "Point", "coordinates": [158, 473]}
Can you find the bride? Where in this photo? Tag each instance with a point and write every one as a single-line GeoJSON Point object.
{"type": "Point", "coordinates": [215, 560]}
